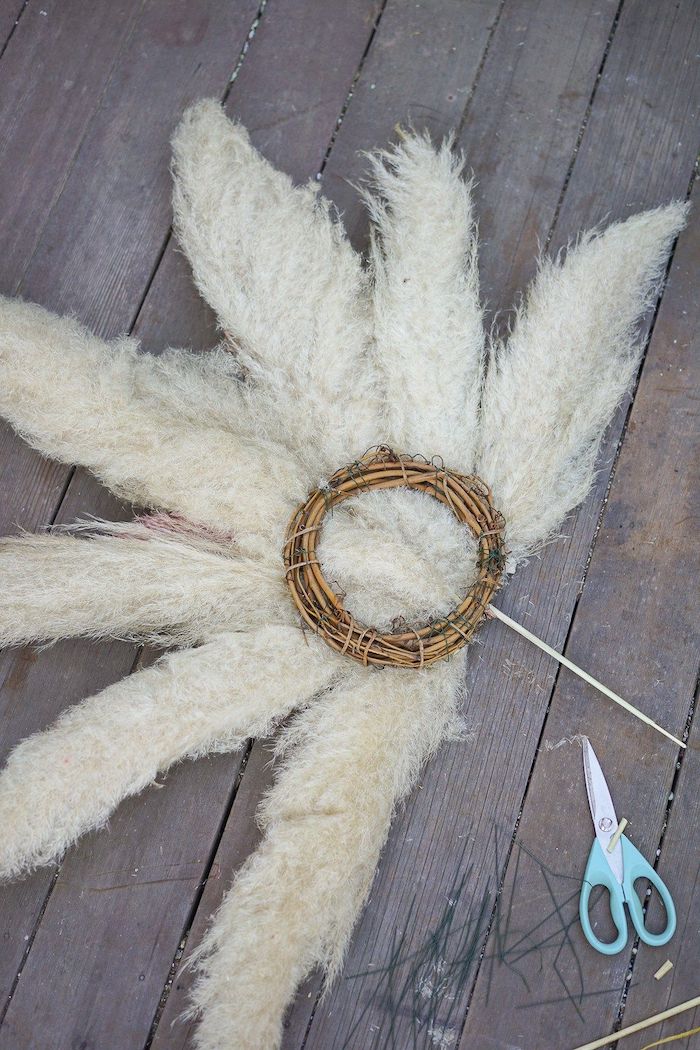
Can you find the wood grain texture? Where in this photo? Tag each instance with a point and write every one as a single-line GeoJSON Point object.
{"type": "Point", "coordinates": [174, 1031]}
{"type": "Point", "coordinates": [678, 866]}
{"type": "Point", "coordinates": [103, 194]}
{"type": "Point", "coordinates": [664, 443]}
{"type": "Point", "coordinates": [420, 72]}
{"type": "Point", "coordinates": [130, 887]}
{"type": "Point", "coordinates": [54, 71]}
{"type": "Point", "coordinates": [10, 13]}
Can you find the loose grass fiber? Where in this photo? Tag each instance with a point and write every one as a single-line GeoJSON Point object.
{"type": "Point", "coordinates": [322, 608]}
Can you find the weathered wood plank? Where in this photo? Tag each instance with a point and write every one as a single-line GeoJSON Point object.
{"type": "Point", "coordinates": [678, 867]}
{"type": "Point", "coordinates": [34, 689]}
{"type": "Point", "coordinates": [10, 13]}
{"type": "Point", "coordinates": [672, 398]}
{"type": "Point", "coordinates": [85, 111]}
{"type": "Point", "coordinates": [420, 72]}
{"type": "Point", "coordinates": [509, 684]}
{"type": "Point", "coordinates": [133, 889]}
{"type": "Point", "coordinates": [636, 625]}
{"type": "Point", "coordinates": [53, 71]}
{"type": "Point", "coordinates": [111, 217]}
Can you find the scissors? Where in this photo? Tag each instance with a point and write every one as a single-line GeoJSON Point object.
{"type": "Point", "coordinates": [617, 870]}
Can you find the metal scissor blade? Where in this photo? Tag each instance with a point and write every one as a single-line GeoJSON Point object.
{"type": "Point", "coordinates": [602, 809]}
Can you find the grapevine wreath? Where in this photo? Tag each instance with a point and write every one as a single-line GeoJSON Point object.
{"type": "Point", "coordinates": [334, 495]}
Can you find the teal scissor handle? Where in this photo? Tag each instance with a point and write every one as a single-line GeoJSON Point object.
{"type": "Point", "coordinates": [636, 867]}
{"type": "Point", "coordinates": [599, 873]}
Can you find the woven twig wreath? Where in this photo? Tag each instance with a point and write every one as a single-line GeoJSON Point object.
{"type": "Point", "coordinates": [468, 498]}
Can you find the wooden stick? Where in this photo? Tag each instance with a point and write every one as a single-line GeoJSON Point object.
{"type": "Point", "coordinates": [663, 970]}
{"type": "Point", "coordinates": [656, 1019]}
{"type": "Point", "coordinates": [492, 611]}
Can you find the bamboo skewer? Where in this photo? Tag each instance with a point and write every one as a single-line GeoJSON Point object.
{"type": "Point", "coordinates": [492, 611]}
{"type": "Point", "coordinates": [640, 1025]}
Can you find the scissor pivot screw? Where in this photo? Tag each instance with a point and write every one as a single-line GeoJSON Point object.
{"type": "Point", "coordinates": [605, 823]}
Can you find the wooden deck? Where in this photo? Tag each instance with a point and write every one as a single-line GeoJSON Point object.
{"type": "Point", "coordinates": [570, 112]}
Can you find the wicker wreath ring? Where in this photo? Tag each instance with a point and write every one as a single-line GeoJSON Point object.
{"type": "Point", "coordinates": [322, 609]}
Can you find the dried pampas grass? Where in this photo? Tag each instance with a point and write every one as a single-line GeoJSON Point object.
{"type": "Point", "coordinates": [323, 359]}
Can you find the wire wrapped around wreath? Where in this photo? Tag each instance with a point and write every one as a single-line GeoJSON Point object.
{"type": "Point", "coordinates": [469, 499]}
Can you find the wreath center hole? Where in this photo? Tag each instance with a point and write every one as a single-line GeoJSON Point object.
{"type": "Point", "coordinates": [397, 555]}
{"type": "Point", "coordinates": [322, 607]}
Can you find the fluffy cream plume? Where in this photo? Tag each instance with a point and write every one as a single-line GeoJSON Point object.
{"type": "Point", "coordinates": [67, 780]}
{"type": "Point", "coordinates": [77, 398]}
{"type": "Point", "coordinates": [572, 355]}
{"type": "Point", "coordinates": [350, 758]}
{"type": "Point", "coordinates": [285, 283]}
{"type": "Point", "coordinates": [328, 361]}
{"type": "Point", "coordinates": [152, 580]}
{"type": "Point", "coordinates": [429, 336]}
